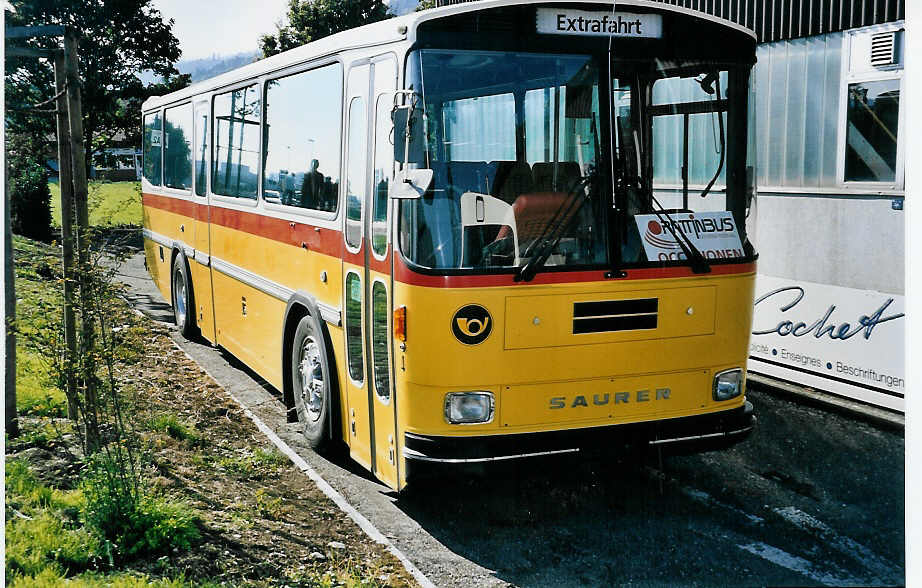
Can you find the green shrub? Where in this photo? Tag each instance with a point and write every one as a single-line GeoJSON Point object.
{"type": "Point", "coordinates": [130, 518]}
{"type": "Point", "coordinates": [30, 199]}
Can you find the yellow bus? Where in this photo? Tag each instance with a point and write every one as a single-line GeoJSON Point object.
{"type": "Point", "coordinates": [481, 232]}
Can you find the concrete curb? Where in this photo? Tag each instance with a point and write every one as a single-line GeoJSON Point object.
{"type": "Point", "coordinates": [879, 417]}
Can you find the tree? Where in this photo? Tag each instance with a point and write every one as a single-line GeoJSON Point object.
{"type": "Point", "coordinates": [312, 20]}
{"type": "Point", "coordinates": [118, 39]}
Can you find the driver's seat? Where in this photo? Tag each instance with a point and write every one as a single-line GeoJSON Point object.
{"type": "Point", "coordinates": [533, 212]}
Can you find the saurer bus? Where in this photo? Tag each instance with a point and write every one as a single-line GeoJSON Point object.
{"type": "Point", "coordinates": [481, 232]}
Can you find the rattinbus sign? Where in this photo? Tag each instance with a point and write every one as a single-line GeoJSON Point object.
{"type": "Point", "coordinates": [714, 234]}
{"type": "Point", "coordinates": [563, 21]}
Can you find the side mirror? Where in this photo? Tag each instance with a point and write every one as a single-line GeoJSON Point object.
{"type": "Point", "coordinates": [408, 134]}
{"type": "Point", "coordinates": [410, 184]}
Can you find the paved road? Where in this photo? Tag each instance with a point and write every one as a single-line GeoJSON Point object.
{"type": "Point", "coordinates": [812, 498]}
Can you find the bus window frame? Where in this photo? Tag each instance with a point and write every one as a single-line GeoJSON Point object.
{"type": "Point", "coordinates": [363, 368]}
{"type": "Point", "coordinates": [179, 192]}
{"type": "Point", "coordinates": [389, 336]}
{"type": "Point", "coordinates": [144, 181]}
{"type": "Point", "coordinates": [251, 203]}
{"type": "Point", "coordinates": [284, 209]}
{"type": "Point", "coordinates": [200, 100]}
{"type": "Point", "coordinates": [388, 208]}
{"type": "Point", "coordinates": [344, 163]}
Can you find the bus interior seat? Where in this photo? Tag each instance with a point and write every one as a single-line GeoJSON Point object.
{"type": "Point", "coordinates": [513, 178]}
{"type": "Point", "coordinates": [568, 173]}
{"type": "Point", "coordinates": [533, 213]}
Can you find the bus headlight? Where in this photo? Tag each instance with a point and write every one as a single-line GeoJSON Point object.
{"type": "Point", "coordinates": [468, 407]}
{"type": "Point", "coordinates": [728, 384]}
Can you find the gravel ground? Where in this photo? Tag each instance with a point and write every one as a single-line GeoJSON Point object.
{"type": "Point", "coordinates": [812, 498]}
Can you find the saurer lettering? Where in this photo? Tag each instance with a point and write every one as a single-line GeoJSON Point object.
{"type": "Point", "coordinates": [581, 400]}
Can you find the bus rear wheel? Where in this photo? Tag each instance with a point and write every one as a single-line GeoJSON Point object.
{"type": "Point", "coordinates": [311, 382]}
{"type": "Point", "coordinates": [183, 304]}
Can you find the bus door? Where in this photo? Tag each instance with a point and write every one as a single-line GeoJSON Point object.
{"type": "Point", "coordinates": [371, 412]}
{"type": "Point", "coordinates": [201, 240]}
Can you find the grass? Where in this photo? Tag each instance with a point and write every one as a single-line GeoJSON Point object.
{"type": "Point", "coordinates": [43, 530]}
{"type": "Point", "coordinates": [254, 465]}
{"type": "Point", "coordinates": [36, 394]}
{"type": "Point", "coordinates": [109, 203]}
{"type": "Point", "coordinates": [172, 426]}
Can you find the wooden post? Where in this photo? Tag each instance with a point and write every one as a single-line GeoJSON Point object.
{"type": "Point", "coordinates": [65, 180]}
{"type": "Point", "coordinates": [9, 312]}
{"type": "Point", "coordinates": [78, 170]}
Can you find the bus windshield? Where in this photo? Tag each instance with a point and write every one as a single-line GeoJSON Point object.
{"type": "Point", "coordinates": [519, 147]}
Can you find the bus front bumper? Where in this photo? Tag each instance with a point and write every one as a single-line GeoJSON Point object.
{"type": "Point", "coordinates": [675, 436]}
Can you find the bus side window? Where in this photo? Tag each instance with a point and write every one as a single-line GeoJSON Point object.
{"type": "Point", "coordinates": [201, 148]}
{"type": "Point", "coordinates": [235, 166]}
{"type": "Point", "coordinates": [177, 147]}
{"type": "Point", "coordinates": [383, 173]}
{"type": "Point", "coordinates": [355, 172]}
{"type": "Point", "coordinates": [302, 145]}
{"type": "Point", "coordinates": [354, 340]}
{"type": "Point", "coordinates": [153, 153]}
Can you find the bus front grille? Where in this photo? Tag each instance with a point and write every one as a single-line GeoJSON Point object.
{"type": "Point", "coordinates": [603, 316]}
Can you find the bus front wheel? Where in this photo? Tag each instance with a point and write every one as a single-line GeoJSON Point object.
{"type": "Point", "coordinates": [183, 305]}
{"type": "Point", "coordinates": [310, 379]}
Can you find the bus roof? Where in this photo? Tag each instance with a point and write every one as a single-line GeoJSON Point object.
{"type": "Point", "coordinates": [392, 30]}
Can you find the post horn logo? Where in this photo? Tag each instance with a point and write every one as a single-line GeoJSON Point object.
{"type": "Point", "coordinates": [471, 324]}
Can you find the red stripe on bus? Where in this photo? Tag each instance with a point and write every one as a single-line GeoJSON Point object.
{"type": "Point", "coordinates": [299, 234]}
{"type": "Point", "coordinates": [175, 205]}
{"type": "Point", "coordinates": [405, 275]}
{"type": "Point", "coordinates": [329, 242]}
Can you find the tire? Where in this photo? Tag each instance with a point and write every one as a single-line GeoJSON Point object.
{"type": "Point", "coordinates": [311, 383]}
{"type": "Point", "coordinates": [183, 301]}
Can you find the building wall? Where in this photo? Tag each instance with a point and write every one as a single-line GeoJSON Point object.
{"type": "Point", "coordinates": [810, 223]}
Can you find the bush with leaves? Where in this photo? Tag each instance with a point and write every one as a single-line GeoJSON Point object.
{"type": "Point", "coordinates": [30, 198]}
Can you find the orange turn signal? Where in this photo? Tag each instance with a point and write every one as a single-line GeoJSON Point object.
{"type": "Point", "coordinates": [400, 324]}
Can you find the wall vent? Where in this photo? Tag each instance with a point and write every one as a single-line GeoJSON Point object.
{"type": "Point", "coordinates": [883, 49]}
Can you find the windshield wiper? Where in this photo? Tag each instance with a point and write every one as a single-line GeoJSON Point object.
{"type": "Point", "coordinates": [699, 264]}
{"type": "Point", "coordinates": [553, 232]}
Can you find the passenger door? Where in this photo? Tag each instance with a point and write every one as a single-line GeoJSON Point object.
{"type": "Point", "coordinates": [367, 267]}
{"type": "Point", "coordinates": [200, 267]}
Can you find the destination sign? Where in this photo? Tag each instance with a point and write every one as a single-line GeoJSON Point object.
{"type": "Point", "coordinates": [565, 21]}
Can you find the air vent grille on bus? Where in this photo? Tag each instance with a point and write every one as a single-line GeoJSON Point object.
{"type": "Point", "coordinates": [492, 21]}
{"type": "Point", "coordinates": [606, 316]}
{"type": "Point", "coordinates": [883, 49]}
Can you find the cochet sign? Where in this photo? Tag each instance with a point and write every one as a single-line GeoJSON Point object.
{"type": "Point", "coordinates": [564, 21]}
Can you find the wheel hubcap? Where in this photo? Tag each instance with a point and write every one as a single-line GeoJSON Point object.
{"type": "Point", "coordinates": [310, 371]}
{"type": "Point", "coordinates": [179, 297]}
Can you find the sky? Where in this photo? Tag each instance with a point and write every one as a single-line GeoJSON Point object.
{"type": "Point", "coordinates": [222, 27]}
{"type": "Point", "coordinates": [225, 27]}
